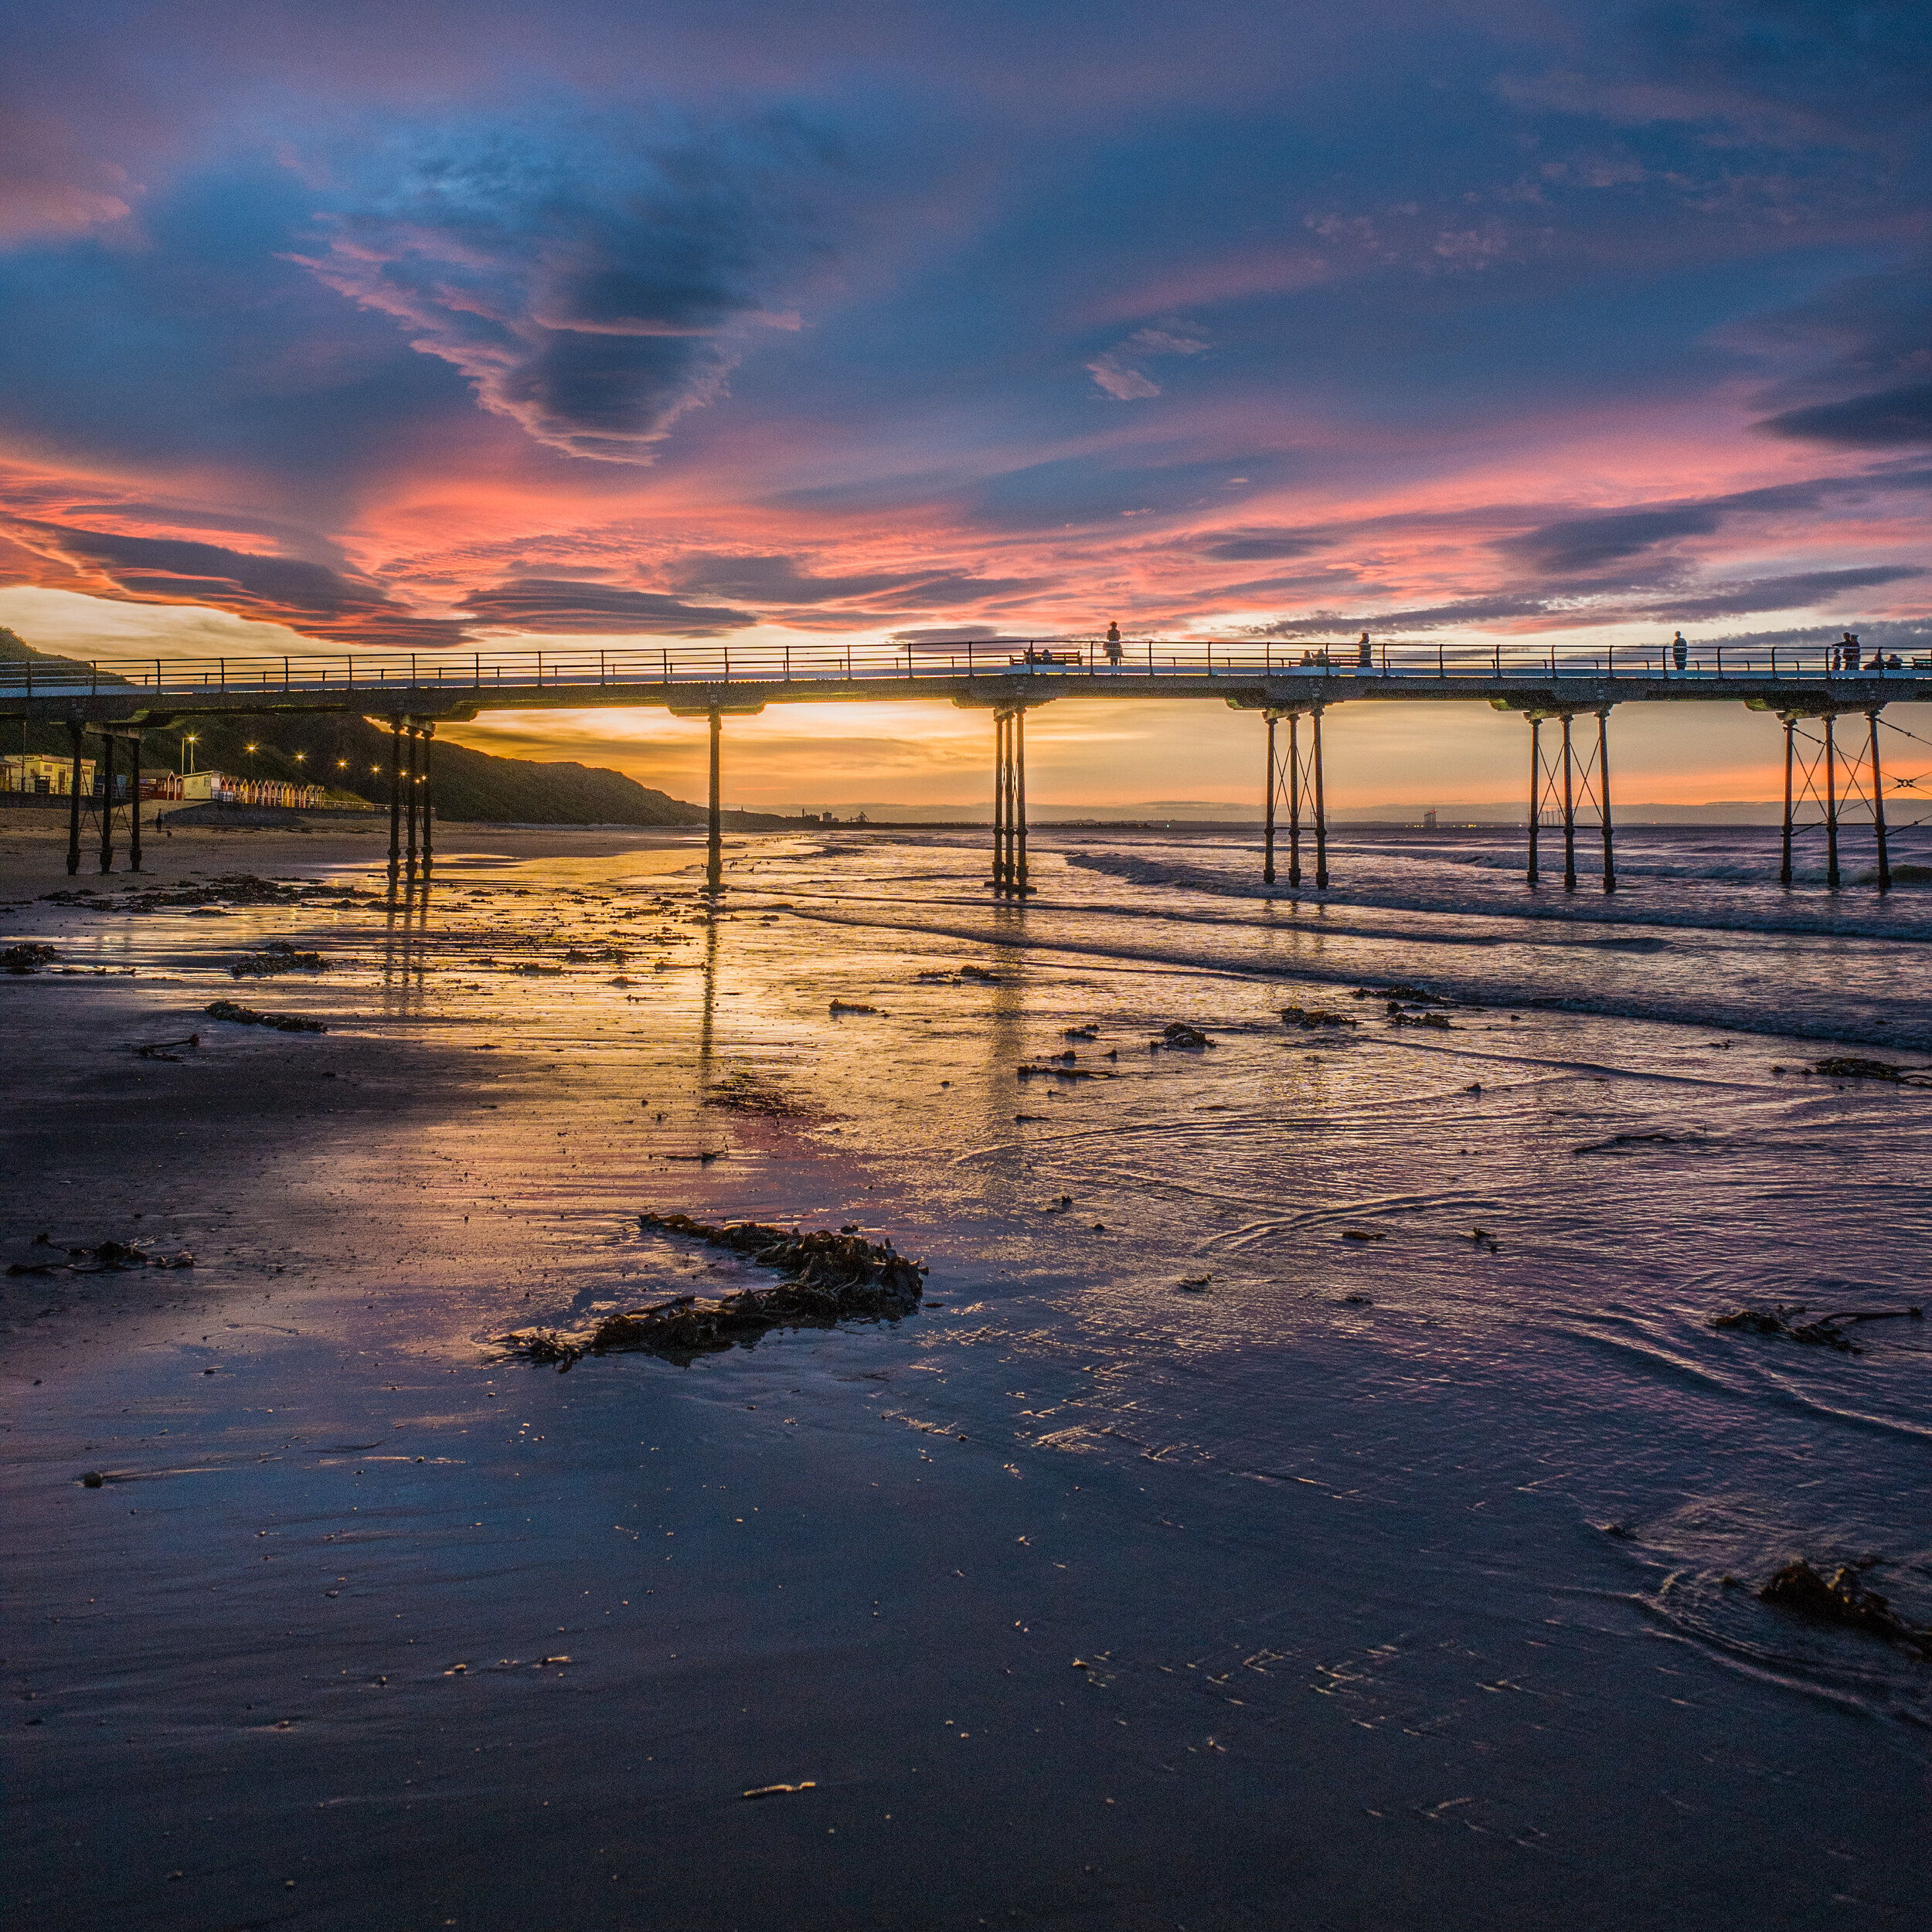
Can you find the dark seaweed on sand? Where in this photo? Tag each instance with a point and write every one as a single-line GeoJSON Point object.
{"type": "Point", "coordinates": [1841, 1599]}
{"type": "Point", "coordinates": [828, 1278]}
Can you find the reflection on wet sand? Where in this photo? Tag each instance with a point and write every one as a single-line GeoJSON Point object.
{"type": "Point", "coordinates": [1215, 1518]}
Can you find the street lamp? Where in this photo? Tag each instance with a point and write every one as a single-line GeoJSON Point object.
{"type": "Point", "coordinates": [188, 743]}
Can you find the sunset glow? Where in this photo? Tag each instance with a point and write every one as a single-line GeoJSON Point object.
{"type": "Point", "coordinates": [715, 327]}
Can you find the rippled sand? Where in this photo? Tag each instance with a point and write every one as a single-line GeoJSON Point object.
{"type": "Point", "coordinates": [1187, 1561]}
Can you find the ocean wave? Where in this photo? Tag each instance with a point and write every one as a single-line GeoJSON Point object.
{"type": "Point", "coordinates": [1889, 921]}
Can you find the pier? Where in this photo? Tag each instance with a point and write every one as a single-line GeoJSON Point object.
{"type": "Point", "coordinates": [1809, 690]}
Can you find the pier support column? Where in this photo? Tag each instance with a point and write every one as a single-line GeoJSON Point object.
{"type": "Point", "coordinates": [1831, 805]}
{"type": "Point", "coordinates": [1019, 804]}
{"type": "Point", "coordinates": [1288, 781]}
{"type": "Point", "coordinates": [395, 796]}
{"type": "Point", "coordinates": [1294, 798]}
{"type": "Point", "coordinates": [714, 822]}
{"type": "Point", "coordinates": [1268, 812]}
{"type": "Point", "coordinates": [1570, 809]}
{"type": "Point", "coordinates": [74, 732]}
{"type": "Point", "coordinates": [1790, 734]}
{"type": "Point", "coordinates": [1535, 789]}
{"type": "Point", "coordinates": [1009, 804]}
{"type": "Point", "coordinates": [108, 803]}
{"type": "Point", "coordinates": [1602, 799]}
{"type": "Point", "coordinates": [1000, 722]}
{"type": "Point", "coordinates": [134, 799]}
{"type": "Point", "coordinates": [1321, 810]}
{"type": "Point", "coordinates": [411, 788]}
{"type": "Point", "coordinates": [429, 815]}
{"type": "Point", "coordinates": [1878, 804]}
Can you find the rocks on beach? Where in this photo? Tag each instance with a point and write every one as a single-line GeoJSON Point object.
{"type": "Point", "coordinates": [27, 957]}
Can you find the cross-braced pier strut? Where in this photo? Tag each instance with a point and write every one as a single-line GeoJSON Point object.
{"type": "Point", "coordinates": [1010, 878]}
{"type": "Point", "coordinates": [1296, 781]}
{"type": "Point", "coordinates": [1564, 780]}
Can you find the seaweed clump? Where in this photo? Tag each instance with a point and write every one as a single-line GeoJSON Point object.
{"type": "Point", "coordinates": [1821, 1330]}
{"type": "Point", "coordinates": [1850, 1067]}
{"type": "Point", "coordinates": [1842, 1600]}
{"type": "Point", "coordinates": [229, 1009]}
{"type": "Point", "coordinates": [828, 1277]}
{"type": "Point", "coordinates": [278, 956]}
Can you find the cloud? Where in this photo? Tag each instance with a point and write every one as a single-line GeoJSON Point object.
{"type": "Point", "coordinates": [1807, 590]}
{"type": "Point", "coordinates": [592, 295]}
{"type": "Point", "coordinates": [1585, 544]}
{"type": "Point", "coordinates": [1261, 546]}
{"type": "Point", "coordinates": [1124, 380]}
{"type": "Point", "coordinates": [550, 604]}
{"type": "Point", "coordinates": [778, 582]}
{"type": "Point", "coordinates": [308, 597]}
{"type": "Point", "coordinates": [49, 186]}
{"type": "Point", "coordinates": [1543, 611]}
{"type": "Point", "coordinates": [1886, 419]}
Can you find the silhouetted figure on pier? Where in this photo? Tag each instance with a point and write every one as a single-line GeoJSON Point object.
{"type": "Point", "coordinates": [1680, 651]}
{"type": "Point", "coordinates": [1114, 651]}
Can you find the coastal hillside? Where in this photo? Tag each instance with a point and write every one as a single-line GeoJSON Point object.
{"type": "Point", "coordinates": [350, 756]}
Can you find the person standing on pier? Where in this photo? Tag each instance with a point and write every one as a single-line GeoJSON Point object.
{"type": "Point", "coordinates": [1114, 651]}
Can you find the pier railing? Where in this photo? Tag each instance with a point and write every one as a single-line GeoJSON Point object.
{"type": "Point", "coordinates": [1087, 660]}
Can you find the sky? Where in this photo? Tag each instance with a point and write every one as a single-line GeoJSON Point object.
{"type": "Point", "coordinates": [459, 328]}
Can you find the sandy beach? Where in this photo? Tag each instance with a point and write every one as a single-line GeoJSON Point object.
{"type": "Point", "coordinates": [1234, 1537]}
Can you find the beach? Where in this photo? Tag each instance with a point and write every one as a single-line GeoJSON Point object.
{"type": "Point", "coordinates": [1310, 1490]}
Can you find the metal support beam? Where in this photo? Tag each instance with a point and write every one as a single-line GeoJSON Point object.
{"type": "Point", "coordinates": [1020, 803]}
{"type": "Point", "coordinates": [1320, 810]}
{"type": "Point", "coordinates": [411, 789]}
{"type": "Point", "coordinates": [1602, 799]}
{"type": "Point", "coordinates": [999, 802]}
{"type": "Point", "coordinates": [1535, 789]}
{"type": "Point", "coordinates": [429, 816]}
{"type": "Point", "coordinates": [1267, 829]}
{"type": "Point", "coordinates": [133, 801]}
{"type": "Point", "coordinates": [394, 796]}
{"type": "Point", "coordinates": [714, 821]}
{"type": "Point", "coordinates": [1831, 805]}
{"type": "Point", "coordinates": [1570, 809]}
{"type": "Point", "coordinates": [75, 730]}
{"type": "Point", "coordinates": [1878, 804]}
{"type": "Point", "coordinates": [1294, 799]}
{"type": "Point", "coordinates": [108, 803]}
{"type": "Point", "coordinates": [1009, 804]}
{"type": "Point", "coordinates": [1784, 863]}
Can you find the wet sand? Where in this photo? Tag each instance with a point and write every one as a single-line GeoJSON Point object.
{"type": "Point", "coordinates": [1328, 1595]}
